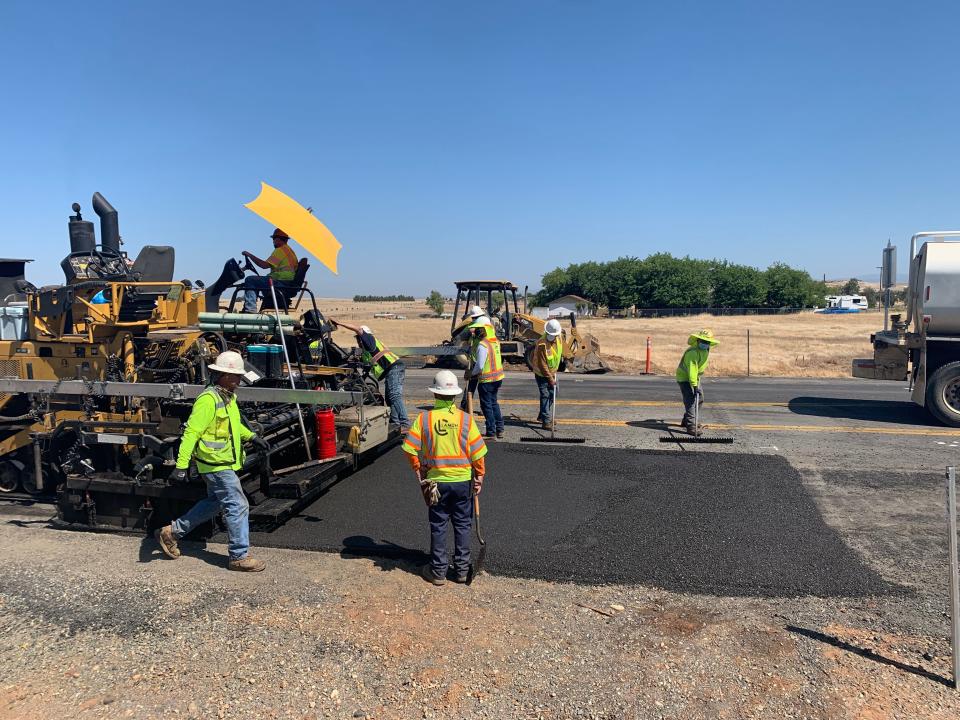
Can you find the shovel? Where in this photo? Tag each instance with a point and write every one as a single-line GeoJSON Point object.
{"type": "Point", "coordinates": [476, 565]}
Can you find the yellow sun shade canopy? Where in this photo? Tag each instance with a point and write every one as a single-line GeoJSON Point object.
{"type": "Point", "coordinates": [296, 221]}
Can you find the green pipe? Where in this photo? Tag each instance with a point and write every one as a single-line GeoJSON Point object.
{"type": "Point", "coordinates": [245, 318]}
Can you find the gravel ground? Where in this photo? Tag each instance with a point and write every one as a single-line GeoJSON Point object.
{"type": "Point", "coordinates": [101, 626]}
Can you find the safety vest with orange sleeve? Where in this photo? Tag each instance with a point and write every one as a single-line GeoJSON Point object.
{"type": "Point", "coordinates": [447, 441]}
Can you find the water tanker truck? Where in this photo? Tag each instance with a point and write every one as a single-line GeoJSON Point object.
{"type": "Point", "coordinates": [923, 348]}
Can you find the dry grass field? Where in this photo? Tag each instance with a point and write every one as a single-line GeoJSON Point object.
{"type": "Point", "coordinates": [801, 345]}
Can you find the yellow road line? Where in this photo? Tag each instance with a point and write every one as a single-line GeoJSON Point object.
{"type": "Point", "coordinates": [923, 432]}
{"type": "Point", "coordinates": [672, 403]}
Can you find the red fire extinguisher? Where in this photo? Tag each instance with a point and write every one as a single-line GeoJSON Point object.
{"type": "Point", "coordinates": [326, 434]}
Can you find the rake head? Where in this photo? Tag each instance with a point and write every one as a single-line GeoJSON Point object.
{"type": "Point", "coordinates": [700, 439]}
{"type": "Point", "coordinates": [553, 439]}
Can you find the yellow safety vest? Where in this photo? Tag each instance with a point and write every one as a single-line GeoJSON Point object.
{"type": "Point", "coordinates": [382, 353]}
{"type": "Point", "coordinates": [214, 440]}
{"type": "Point", "coordinates": [283, 260]}
{"type": "Point", "coordinates": [493, 366]}
{"type": "Point", "coordinates": [447, 440]}
{"type": "Point", "coordinates": [554, 353]}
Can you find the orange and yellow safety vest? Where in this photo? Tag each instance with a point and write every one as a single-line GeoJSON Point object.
{"type": "Point", "coordinates": [447, 440]}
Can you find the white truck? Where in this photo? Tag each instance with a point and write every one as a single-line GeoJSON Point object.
{"type": "Point", "coordinates": [924, 348]}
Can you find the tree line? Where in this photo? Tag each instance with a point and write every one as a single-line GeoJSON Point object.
{"type": "Point", "coordinates": [383, 298]}
{"type": "Point", "coordinates": [664, 281]}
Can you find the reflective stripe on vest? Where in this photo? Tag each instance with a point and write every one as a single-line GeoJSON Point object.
{"type": "Point", "coordinates": [374, 360]}
{"type": "Point", "coordinates": [493, 367]}
{"type": "Point", "coordinates": [444, 449]}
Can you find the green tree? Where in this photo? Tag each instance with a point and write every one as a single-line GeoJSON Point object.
{"type": "Point", "coordinates": [851, 287]}
{"type": "Point", "coordinates": [667, 282]}
{"type": "Point", "coordinates": [435, 302]}
{"type": "Point", "coordinates": [787, 287]}
{"type": "Point", "coordinates": [738, 286]}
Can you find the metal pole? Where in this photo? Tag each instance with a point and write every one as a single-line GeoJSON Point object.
{"type": "Point", "coordinates": [954, 573]}
{"type": "Point", "coordinates": [748, 352]}
{"type": "Point", "coordinates": [286, 356]}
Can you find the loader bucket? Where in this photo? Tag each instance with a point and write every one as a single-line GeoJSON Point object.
{"type": "Point", "coordinates": [586, 357]}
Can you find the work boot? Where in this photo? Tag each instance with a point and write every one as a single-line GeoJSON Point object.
{"type": "Point", "coordinates": [548, 426]}
{"type": "Point", "coordinates": [430, 577]}
{"type": "Point", "coordinates": [500, 435]}
{"type": "Point", "coordinates": [461, 577]}
{"type": "Point", "coordinates": [247, 564]}
{"type": "Point", "coordinates": [168, 543]}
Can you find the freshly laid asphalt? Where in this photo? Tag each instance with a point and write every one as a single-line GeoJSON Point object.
{"type": "Point", "coordinates": [717, 523]}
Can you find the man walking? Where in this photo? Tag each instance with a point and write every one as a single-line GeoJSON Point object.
{"type": "Point", "coordinates": [213, 438]}
{"type": "Point", "coordinates": [692, 365]}
{"type": "Point", "coordinates": [488, 371]}
{"type": "Point", "coordinates": [445, 450]}
{"type": "Point", "coordinates": [547, 354]}
{"type": "Point", "coordinates": [282, 265]}
{"type": "Point", "coordinates": [384, 365]}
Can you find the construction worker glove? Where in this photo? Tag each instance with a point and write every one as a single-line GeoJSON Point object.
{"type": "Point", "coordinates": [260, 444]}
{"type": "Point", "coordinates": [431, 493]}
{"type": "Point", "coordinates": [477, 484]}
{"type": "Point", "coordinates": [178, 476]}
{"type": "Point", "coordinates": [698, 391]}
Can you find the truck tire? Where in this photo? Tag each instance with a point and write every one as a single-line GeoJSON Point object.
{"type": "Point", "coordinates": [943, 394]}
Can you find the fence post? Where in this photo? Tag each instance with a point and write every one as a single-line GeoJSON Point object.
{"type": "Point", "coordinates": [647, 371]}
{"type": "Point", "coordinates": [954, 573]}
{"type": "Point", "coordinates": [748, 352]}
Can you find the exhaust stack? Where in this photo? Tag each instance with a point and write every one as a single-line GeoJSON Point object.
{"type": "Point", "coordinates": [109, 224]}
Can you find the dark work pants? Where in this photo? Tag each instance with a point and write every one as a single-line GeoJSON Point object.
{"type": "Point", "coordinates": [456, 506]}
{"type": "Point", "coordinates": [688, 396]}
{"type": "Point", "coordinates": [546, 399]}
{"type": "Point", "coordinates": [490, 406]}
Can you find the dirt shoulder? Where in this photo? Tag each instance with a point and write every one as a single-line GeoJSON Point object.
{"type": "Point", "coordinates": [98, 626]}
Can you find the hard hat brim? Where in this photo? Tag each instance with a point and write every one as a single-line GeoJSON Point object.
{"type": "Point", "coordinates": [229, 371]}
{"type": "Point", "coordinates": [445, 391]}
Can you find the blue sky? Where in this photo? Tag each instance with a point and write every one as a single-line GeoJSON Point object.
{"type": "Point", "coordinates": [445, 140]}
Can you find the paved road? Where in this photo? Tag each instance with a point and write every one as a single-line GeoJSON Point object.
{"type": "Point", "coordinates": [811, 422]}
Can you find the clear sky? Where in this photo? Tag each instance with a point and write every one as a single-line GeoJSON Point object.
{"type": "Point", "coordinates": [446, 140]}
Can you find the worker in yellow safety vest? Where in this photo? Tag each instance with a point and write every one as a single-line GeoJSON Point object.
{"type": "Point", "coordinates": [446, 451]}
{"type": "Point", "coordinates": [689, 374]}
{"type": "Point", "coordinates": [282, 265]}
{"type": "Point", "coordinates": [214, 439]}
{"type": "Point", "coordinates": [476, 312]}
{"type": "Point", "coordinates": [547, 354]}
{"type": "Point", "coordinates": [487, 369]}
{"type": "Point", "coordinates": [384, 365]}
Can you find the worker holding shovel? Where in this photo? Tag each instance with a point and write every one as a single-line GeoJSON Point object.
{"type": "Point", "coordinates": [690, 372]}
{"type": "Point", "coordinates": [446, 452]}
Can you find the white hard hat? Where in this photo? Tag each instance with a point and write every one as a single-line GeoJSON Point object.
{"type": "Point", "coordinates": [445, 383]}
{"type": "Point", "coordinates": [476, 311]}
{"type": "Point", "coordinates": [365, 329]}
{"type": "Point", "coordinates": [483, 320]}
{"type": "Point", "coordinates": [553, 329]}
{"type": "Point", "coordinates": [229, 362]}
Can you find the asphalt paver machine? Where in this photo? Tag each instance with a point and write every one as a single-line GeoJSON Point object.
{"type": "Point", "coordinates": [98, 376]}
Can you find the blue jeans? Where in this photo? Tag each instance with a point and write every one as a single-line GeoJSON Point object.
{"type": "Point", "coordinates": [252, 284]}
{"type": "Point", "coordinates": [546, 399]}
{"type": "Point", "coordinates": [490, 407]}
{"type": "Point", "coordinates": [393, 391]}
{"type": "Point", "coordinates": [223, 493]}
{"type": "Point", "coordinates": [456, 506]}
